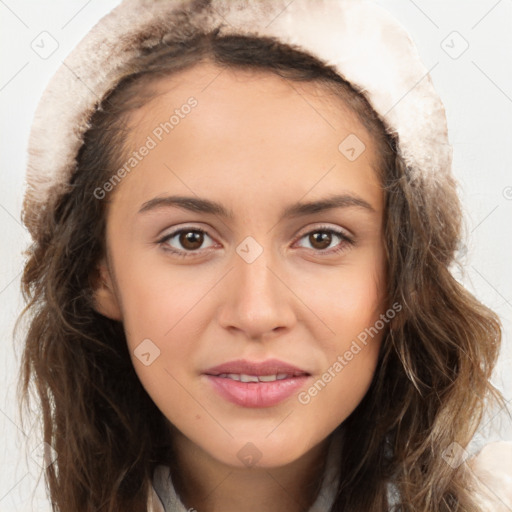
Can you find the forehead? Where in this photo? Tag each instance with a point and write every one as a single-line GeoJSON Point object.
{"type": "Point", "coordinates": [254, 98]}
{"type": "Point", "coordinates": [250, 126]}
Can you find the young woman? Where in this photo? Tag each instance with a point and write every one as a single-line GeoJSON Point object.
{"type": "Point", "coordinates": [239, 288]}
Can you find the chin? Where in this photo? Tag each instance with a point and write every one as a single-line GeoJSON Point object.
{"type": "Point", "coordinates": [259, 451]}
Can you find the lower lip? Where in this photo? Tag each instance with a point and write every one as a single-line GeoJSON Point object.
{"type": "Point", "coordinates": [256, 394]}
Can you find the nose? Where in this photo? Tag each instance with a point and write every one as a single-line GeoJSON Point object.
{"type": "Point", "coordinates": [256, 298]}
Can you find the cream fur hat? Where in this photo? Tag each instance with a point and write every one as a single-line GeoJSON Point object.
{"type": "Point", "coordinates": [365, 44]}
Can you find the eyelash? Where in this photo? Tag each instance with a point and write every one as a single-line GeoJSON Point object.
{"type": "Point", "coordinates": [345, 240]}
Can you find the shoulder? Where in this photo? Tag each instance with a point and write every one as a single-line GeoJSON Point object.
{"type": "Point", "coordinates": [492, 467]}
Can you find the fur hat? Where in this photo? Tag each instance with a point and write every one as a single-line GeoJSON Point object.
{"type": "Point", "coordinates": [364, 43]}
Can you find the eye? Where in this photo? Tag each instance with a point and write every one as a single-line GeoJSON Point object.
{"type": "Point", "coordinates": [185, 241]}
{"type": "Point", "coordinates": [321, 238]}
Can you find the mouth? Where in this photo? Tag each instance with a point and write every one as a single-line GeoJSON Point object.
{"type": "Point", "coordinates": [256, 369]}
{"type": "Point", "coordinates": [256, 384]}
{"type": "Point", "coordinates": [243, 377]}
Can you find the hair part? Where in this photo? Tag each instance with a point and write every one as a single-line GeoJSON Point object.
{"type": "Point", "coordinates": [432, 380]}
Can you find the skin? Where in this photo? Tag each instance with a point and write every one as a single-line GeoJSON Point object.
{"type": "Point", "coordinates": [255, 143]}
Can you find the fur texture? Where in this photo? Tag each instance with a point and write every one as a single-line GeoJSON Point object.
{"type": "Point", "coordinates": [367, 46]}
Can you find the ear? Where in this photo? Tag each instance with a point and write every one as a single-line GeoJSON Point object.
{"type": "Point", "coordinates": [104, 296]}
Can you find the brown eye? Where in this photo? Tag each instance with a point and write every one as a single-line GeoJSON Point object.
{"type": "Point", "coordinates": [320, 239]}
{"type": "Point", "coordinates": [191, 240]}
{"type": "Point", "coordinates": [185, 242]}
{"type": "Point", "coordinates": [323, 240]}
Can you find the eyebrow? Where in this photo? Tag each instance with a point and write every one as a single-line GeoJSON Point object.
{"type": "Point", "coordinates": [196, 204]}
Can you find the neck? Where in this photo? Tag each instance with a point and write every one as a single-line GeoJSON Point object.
{"type": "Point", "coordinates": [207, 485]}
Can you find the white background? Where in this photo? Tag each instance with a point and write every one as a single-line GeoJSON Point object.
{"type": "Point", "coordinates": [476, 89]}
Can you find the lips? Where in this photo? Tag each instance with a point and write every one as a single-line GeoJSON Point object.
{"type": "Point", "coordinates": [257, 369]}
{"type": "Point", "coordinates": [252, 384]}
{"type": "Point", "coordinates": [243, 377]}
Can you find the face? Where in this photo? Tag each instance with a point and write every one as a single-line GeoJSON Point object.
{"type": "Point", "coordinates": [226, 245]}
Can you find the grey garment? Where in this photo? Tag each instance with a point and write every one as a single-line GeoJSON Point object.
{"type": "Point", "coordinates": [170, 501]}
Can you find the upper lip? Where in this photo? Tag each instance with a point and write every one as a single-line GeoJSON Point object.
{"type": "Point", "coordinates": [267, 367]}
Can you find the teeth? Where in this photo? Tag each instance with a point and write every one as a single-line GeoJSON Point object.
{"type": "Point", "coordinates": [242, 377]}
{"type": "Point", "coordinates": [247, 378]}
{"type": "Point", "coordinates": [267, 378]}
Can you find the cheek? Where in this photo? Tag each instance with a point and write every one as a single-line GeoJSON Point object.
{"type": "Point", "coordinates": [350, 303]}
{"type": "Point", "coordinates": [335, 394]}
{"type": "Point", "coordinates": [348, 299]}
{"type": "Point", "coordinates": [352, 309]}
{"type": "Point", "coordinates": [158, 301]}
{"type": "Point", "coordinates": [162, 309]}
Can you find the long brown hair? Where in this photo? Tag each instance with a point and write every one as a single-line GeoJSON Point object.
{"type": "Point", "coordinates": [432, 380]}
